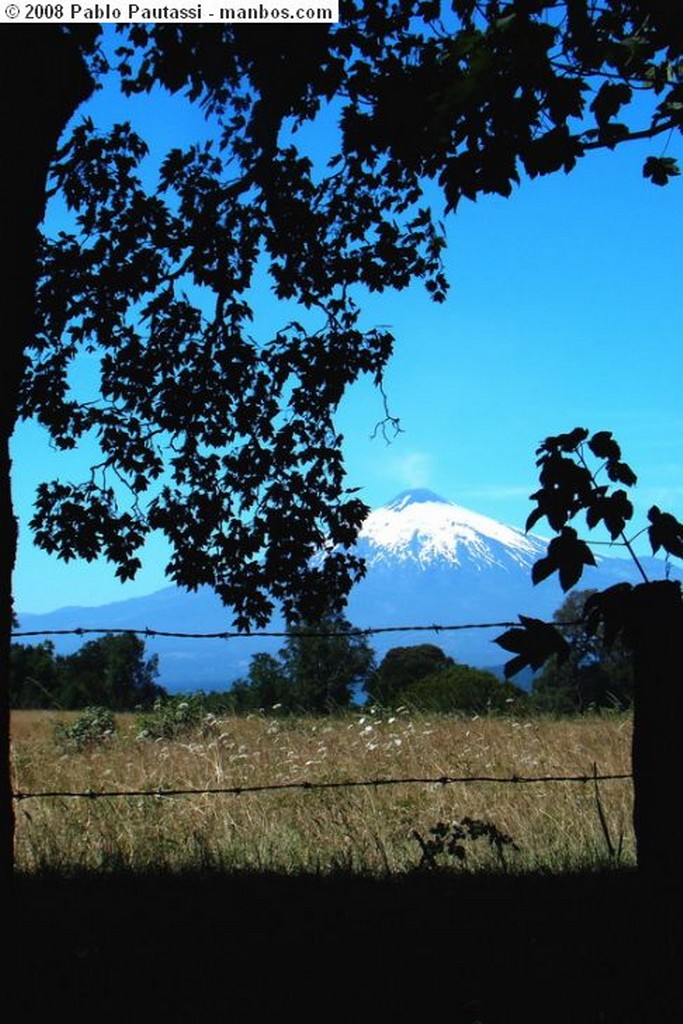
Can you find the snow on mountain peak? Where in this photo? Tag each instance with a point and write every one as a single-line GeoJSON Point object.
{"type": "Point", "coordinates": [418, 496]}
{"type": "Point", "coordinates": [421, 527]}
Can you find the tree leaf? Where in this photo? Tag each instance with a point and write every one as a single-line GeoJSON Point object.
{"type": "Point", "coordinates": [660, 168]}
{"type": "Point", "coordinates": [665, 532]}
{"type": "Point", "coordinates": [609, 99]}
{"type": "Point", "coordinates": [534, 642]}
{"type": "Point", "coordinates": [567, 555]}
{"type": "Point", "coordinates": [604, 446]}
{"type": "Point", "coordinates": [620, 472]}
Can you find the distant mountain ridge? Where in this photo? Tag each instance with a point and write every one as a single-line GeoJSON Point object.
{"type": "Point", "coordinates": [430, 562]}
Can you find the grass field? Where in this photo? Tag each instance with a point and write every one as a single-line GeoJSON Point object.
{"type": "Point", "coordinates": [368, 830]}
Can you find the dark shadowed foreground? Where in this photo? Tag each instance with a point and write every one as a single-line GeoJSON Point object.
{"type": "Point", "coordinates": [575, 949]}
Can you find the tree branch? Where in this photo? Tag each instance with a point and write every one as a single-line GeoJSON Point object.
{"type": "Point", "coordinates": [646, 133]}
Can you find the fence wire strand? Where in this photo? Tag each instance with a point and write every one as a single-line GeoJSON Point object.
{"type": "Point", "coordinates": [241, 634]}
{"type": "Point", "coordinates": [442, 780]}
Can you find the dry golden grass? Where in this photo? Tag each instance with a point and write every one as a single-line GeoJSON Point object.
{"type": "Point", "coordinates": [366, 829]}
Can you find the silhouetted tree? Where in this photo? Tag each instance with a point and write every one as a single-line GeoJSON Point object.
{"type": "Point", "coordinates": [265, 685]}
{"type": "Point", "coordinates": [44, 78]}
{"type": "Point", "coordinates": [318, 670]}
{"type": "Point", "coordinates": [465, 690]}
{"type": "Point", "coordinates": [324, 664]}
{"type": "Point", "coordinates": [225, 443]}
{"type": "Point", "coordinates": [34, 676]}
{"type": "Point", "coordinates": [111, 672]}
{"type": "Point", "coordinates": [402, 667]}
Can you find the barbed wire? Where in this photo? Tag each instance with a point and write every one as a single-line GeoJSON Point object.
{"type": "Point", "coordinates": [442, 780]}
{"type": "Point", "coordinates": [284, 633]}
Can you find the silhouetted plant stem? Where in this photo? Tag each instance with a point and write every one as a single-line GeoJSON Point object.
{"type": "Point", "coordinates": [622, 535]}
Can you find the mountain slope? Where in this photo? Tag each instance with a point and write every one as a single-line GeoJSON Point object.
{"type": "Point", "coordinates": [430, 562]}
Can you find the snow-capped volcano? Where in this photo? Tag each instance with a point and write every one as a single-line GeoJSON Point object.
{"type": "Point", "coordinates": [430, 560]}
{"type": "Point", "coordinates": [422, 527]}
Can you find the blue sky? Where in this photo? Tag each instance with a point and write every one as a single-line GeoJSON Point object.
{"type": "Point", "coordinates": [564, 310]}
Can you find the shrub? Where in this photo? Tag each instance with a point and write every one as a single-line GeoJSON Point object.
{"type": "Point", "coordinates": [95, 726]}
{"type": "Point", "coordinates": [171, 717]}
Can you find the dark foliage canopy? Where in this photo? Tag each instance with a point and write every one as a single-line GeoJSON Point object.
{"type": "Point", "coordinates": [225, 441]}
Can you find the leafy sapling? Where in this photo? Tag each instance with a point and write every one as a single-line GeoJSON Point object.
{"type": "Point", "coordinates": [572, 468]}
{"type": "Point", "coordinates": [451, 840]}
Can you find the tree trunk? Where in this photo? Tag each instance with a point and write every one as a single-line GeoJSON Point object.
{"type": "Point", "coordinates": [42, 82]}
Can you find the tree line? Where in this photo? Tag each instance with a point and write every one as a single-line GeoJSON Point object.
{"type": "Point", "coordinates": [328, 667]}
{"type": "Point", "coordinates": [111, 672]}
